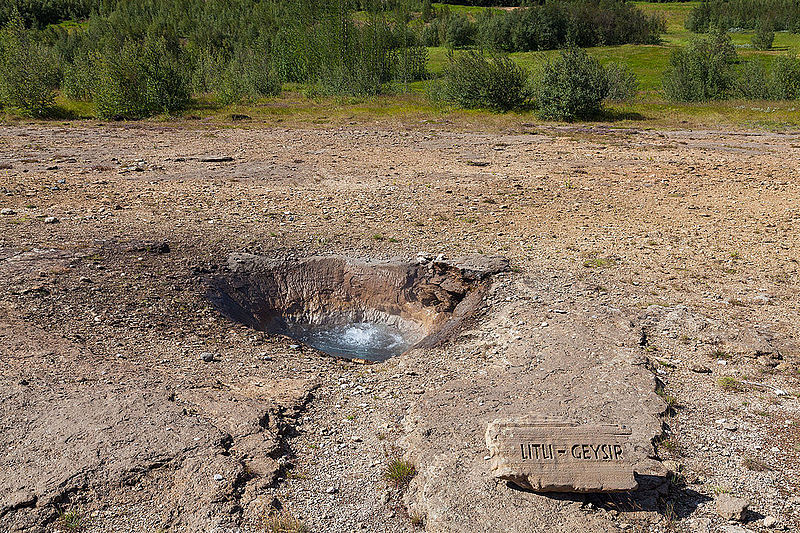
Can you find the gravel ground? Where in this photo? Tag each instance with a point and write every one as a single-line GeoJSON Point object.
{"type": "Point", "coordinates": [676, 247]}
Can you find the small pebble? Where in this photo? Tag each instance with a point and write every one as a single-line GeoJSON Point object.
{"type": "Point", "coordinates": [207, 357]}
{"type": "Point", "coordinates": [51, 220]}
{"type": "Point", "coordinates": [218, 477]}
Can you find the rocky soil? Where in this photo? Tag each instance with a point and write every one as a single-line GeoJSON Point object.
{"type": "Point", "coordinates": [653, 283]}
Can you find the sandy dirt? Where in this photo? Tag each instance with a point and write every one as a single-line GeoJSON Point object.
{"type": "Point", "coordinates": [647, 267]}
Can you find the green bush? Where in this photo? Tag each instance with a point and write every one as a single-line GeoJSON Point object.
{"type": "Point", "coordinates": [472, 80]}
{"type": "Point", "coordinates": [571, 86]}
{"type": "Point", "coordinates": [784, 79]}
{"type": "Point", "coordinates": [764, 36]}
{"type": "Point", "coordinates": [140, 79]}
{"type": "Point", "coordinates": [29, 75]}
{"type": "Point", "coordinates": [246, 77]}
{"type": "Point", "coordinates": [622, 82]}
{"type": "Point", "coordinates": [78, 78]}
{"type": "Point", "coordinates": [460, 31]}
{"type": "Point", "coordinates": [783, 14]}
{"type": "Point", "coordinates": [427, 11]}
{"type": "Point", "coordinates": [704, 70]}
{"type": "Point", "coordinates": [752, 82]}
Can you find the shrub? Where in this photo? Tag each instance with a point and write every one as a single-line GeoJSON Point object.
{"type": "Point", "coordinates": [411, 64]}
{"type": "Point", "coordinates": [764, 36]}
{"type": "Point", "coordinates": [460, 31]}
{"type": "Point", "coordinates": [427, 11]}
{"type": "Point", "coordinates": [784, 79]}
{"type": "Point", "coordinates": [356, 59]}
{"type": "Point", "coordinates": [571, 86]}
{"type": "Point", "coordinates": [78, 78]}
{"type": "Point", "coordinates": [752, 82]}
{"type": "Point", "coordinates": [28, 73]}
{"type": "Point", "coordinates": [495, 30]}
{"type": "Point", "coordinates": [622, 82]}
{"type": "Point", "coordinates": [784, 14]}
{"type": "Point", "coordinates": [139, 80]}
{"type": "Point", "coordinates": [475, 81]}
{"type": "Point", "coordinates": [247, 76]}
{"type": "Point", "coordinates": [702, 71]}
{"type": "Point", "coordinates": [699, 18]}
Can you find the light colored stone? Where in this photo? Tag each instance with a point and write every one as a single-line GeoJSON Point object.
{"type": "Point", "coordinates": [556, 455]}
{"type": "Point", "coordinates": [732, 508]}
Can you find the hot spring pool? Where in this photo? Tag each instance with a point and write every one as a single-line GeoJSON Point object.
{"type": "Point", "coordinates": [361, 340]}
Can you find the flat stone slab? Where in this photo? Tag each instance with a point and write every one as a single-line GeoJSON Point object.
{"type": "Point", "coordinates": [556, 455]}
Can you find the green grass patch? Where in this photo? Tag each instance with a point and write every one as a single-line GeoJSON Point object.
{"type": "Point", "coordinates": [455, 8]}
{"type": "Point", "coordinates": [730, 384]}
{"type": "Point", "coordinates": [399, 472]}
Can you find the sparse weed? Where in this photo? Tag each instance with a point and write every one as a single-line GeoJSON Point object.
{"type": "Point", "coordinates": [283, 522]}
{"type": "Point", "coordinates": [670, 400]}
{"type": "Point", "coordinates": [598, 262]}
{"type": "Point", "coordinates": [672, 446]}
{"type": "Point", "coordinates": [399, 472]}
{"type": "Point", "coordinates": [72, 519]}
{"type": "Point", "coordinates": [730, 384]}
{"type": "Point", "coordinates": [670, 515]}
{"type": "Point", "coordinates": [755, 465]}
{"type": "Point", "coordinates": [720, 354]}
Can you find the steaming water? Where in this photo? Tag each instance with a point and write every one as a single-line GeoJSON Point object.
{"type": "Point", "coordinates": [362, 340]}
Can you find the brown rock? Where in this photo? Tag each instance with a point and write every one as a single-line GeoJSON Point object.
{"type": "Point", "coordinates": [553, 455]}
{"type": "Point", "coordinates": [731, 508]}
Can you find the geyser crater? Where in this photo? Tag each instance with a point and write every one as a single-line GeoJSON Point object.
{"type": "Point", "coordinates": [352, 308]}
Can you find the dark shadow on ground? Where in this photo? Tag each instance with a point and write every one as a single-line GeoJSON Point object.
{"type": "Point", "coordinates": [660, 495]}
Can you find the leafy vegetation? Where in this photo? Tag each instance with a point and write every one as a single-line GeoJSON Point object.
{"type": "Point", "coordinates": [548, 26]}
{"type": "Point", "coordinates": [571, 86]}
{"type": "Point", "coordinates": [473, 80]}
{"type": "Point", "coordinates": [783, 14]}
{"type": "Point", "coordinates": [243, 52]}
{"type": "Point", "coordinates": [764, 36]}
{"type": "Point", "coordinates": [702, 71]}
{"type": "Point", "coordinates": [707, 70]}
{"type": "Point", "coordinates": [72, 519]}
{"type": "Point", "coordinates": [135, 59]}
{"type": "Point", "coordinates": [28, 75]}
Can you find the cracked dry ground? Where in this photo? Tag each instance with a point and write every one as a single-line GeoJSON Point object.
{"type": "Point", "coordinates": [636, 255]}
